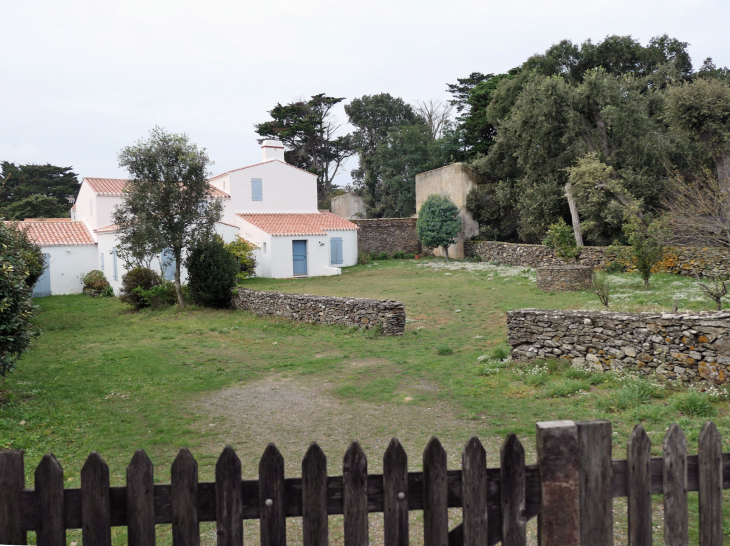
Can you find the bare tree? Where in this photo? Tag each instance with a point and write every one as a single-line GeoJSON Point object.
{"type": "Point", "coordinates": [716, 288]}
{"type": "Point", "coordinates": [436, 114]}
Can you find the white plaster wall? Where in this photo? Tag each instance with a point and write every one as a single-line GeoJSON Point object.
{"type": "Point", "coordinates": [84, 209]}
{"type": "Point", "coordinates": [318, 254]}
{"type": "Point", "coordinates": [349, 246]}
{"type": "Point", "coordinates": [226, 232]}
{"type": "Point", "coordinates": [68, 266]}
{"type": "Point", "coordinates": [104, 208]}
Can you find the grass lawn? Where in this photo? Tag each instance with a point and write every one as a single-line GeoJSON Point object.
{"type": "Point", "coordinates": [108, 379]}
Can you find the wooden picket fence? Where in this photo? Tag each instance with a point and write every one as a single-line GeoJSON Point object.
{"type": "Point", "coordinates": [571, 490]}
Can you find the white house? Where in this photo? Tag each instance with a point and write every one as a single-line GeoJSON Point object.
{"type": "Point", "coordinates": [271, 204]}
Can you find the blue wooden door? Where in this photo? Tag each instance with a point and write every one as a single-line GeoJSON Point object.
{"type": "Point", "coordinates": [299, 252]}
{"type": "Point", "coordinates": [43, 286]}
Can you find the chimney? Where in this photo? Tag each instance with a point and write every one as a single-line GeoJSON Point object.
{"type": "Point", "coordinates": [272, 149]}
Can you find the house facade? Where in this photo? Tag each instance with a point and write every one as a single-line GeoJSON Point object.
{"type": "Point", "coordinates": [272, 205]}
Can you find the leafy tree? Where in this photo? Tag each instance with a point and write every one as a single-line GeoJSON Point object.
{"type": "Point", "coordinates": [307, 129]}
{"type": "Point", "coordinates": [560, 239]}
{"type": "Point", "coordinates": [438, 222]}
{"type": "Point", "coordinates": [646, 235]}
{"type": "Point", "coordinates": [21, 182]}
{"type": "Point", "coordinates": [167, 203]}
{"type": "Point", "coordinates": [35, 206]}
{"type": "Point", "coordinates": [212, 272]}
{"type": "Point", "coordinates": [244, 253]}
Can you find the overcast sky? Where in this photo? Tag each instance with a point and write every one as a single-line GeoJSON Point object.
{"type": "Point", "coordinates": [82, 79]}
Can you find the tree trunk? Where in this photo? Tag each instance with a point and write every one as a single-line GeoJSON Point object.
{"type": "Point", "coordinates": [574, 214]}
{"type": "Point", "coordinates": [446, 250]}
{"type": "Point", "coordinates": [178, 285]}
{"type": "Point", "coordinates": [722, 163]}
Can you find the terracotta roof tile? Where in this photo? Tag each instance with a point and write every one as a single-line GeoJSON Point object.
{"type": "Point", "coordinates": [115, 187]}
{"type": "Point", "coordinates": [299, 223]}
{"type": "Point", "coordinates": [56, 232]}
{"type": "Point", "coordinates": [107, 229]}
{"type": "Point", "coordinates": [48, 220]}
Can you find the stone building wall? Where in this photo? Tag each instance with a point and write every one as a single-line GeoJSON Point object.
{"type": "Point", "coordinates": [679, 260]}
{"type": "Point", "coordinates": [349, 206]}
{"type": "Point", "coordinates": [677, 346]}
{"type": "Point", "coordinates": [388, 235]}
{"type": "Point", "coordinates": [359, 312]}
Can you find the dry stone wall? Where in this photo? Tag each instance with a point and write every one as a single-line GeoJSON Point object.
{"type": "Point", "coordinates": [679, 260]}
{"type": "Point", "coordinates": [686, 347]}
{"type": "Point", "coordinates": [390, 315]}
{"type": "Point", "coordinates": [387, 235]}
{"type": "Point", "coordinates": [564, 278]}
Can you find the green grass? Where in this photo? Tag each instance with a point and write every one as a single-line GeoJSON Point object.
{"type": "Point", "coordinates": [108, 379]}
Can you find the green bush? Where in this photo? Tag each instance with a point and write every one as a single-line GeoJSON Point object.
{"type": "Point", "coordinates": [135, 285]}
{"type": "Point", "coordinates": [561, 239]}
{"type": "Point", "coordinates": [381, 256]}
{"type": "Point", "coordinates": [438, 222]}
{"type": "Point", "coordinates": [363, 258]}
{"type": "Point", "coordinates": [107, 292]}
{"type": "Point", "coordinates": [212, 273]}
{"type": "Point", "coordinates": [409, 255]}
{"type": "Point", "coordinates": [615, 267]}
{"type": "Point", "coordinates": [399, 255]}
{"type": "Point", "coordinates": [244, 253]}
{"type": "Point", "coordinates": [95, 280]}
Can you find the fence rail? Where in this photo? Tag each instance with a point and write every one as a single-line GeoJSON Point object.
{"type": "Point", "coordinates": [571, 489]}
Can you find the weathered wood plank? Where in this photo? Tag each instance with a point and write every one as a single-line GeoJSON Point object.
{"type": "Point", "coordinates": [140, 500]}
{"type": "Point", "coordinates": [512, 466]}
{"type": "Point", "coordinates": [710, 485]}
{"type": "Point", "coordinates": [639, 488]}
{"type": "Point", "coordinates": [315, 524]}
{"type": "Point", "coordinates": [435, 504]}
{"type": "Point", "coordinates": [184, 500]}
{"type": "Point", "coordinates": [474, 492]}
{"type": "Point", "coordinates": [596, 483]}
{"type": "Point", "coordinates": [228, 499]}
{"type": "Point", "coordinates": [271, 497]}
{"type": "Point", "coordinates": [12, 482]}
{"type": "Point", "coordinates": [95, 505]}
{"type": "Point", "coordinates": [676, 524]}
{"type": "Point", "coordinates": [355, 507]}
{"type": "Point", "coordinates": [395, 494]}
{"type": "Point", "coordinates": [559, 462]}
{"type": "Point", "coordinates": [49, 487]}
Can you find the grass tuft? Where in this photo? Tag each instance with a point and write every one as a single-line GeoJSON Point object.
{"type": "Point", "coordinates": [694, 404]}
{"type": "Point", "coordinates": [444, 350]}
{"type": "Point", "coordinates": [565, 387]}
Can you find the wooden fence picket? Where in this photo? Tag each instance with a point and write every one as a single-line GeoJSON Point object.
{"type": "Point", "coordinates": [395, 495]}
{"type": "Point", "coordinates": [315, 524]}
{"type": "Point", "coordinates": [228, 499]}
{"type": "Point", "coordinates": [271, 497]}
{"type": "Point", "coordinates": [435, 495]}
{"type": "Point", "coordinates": [676, 524]}
{"type": "Point", "coordinates": [474, 493]}
{"type": "Point", "coordinates": [12, 482]}
{"type": "Point", "coordinates": [184, 496]}
{"type": "Point", "coordinates": [709, 458]}
{"type": "Point", "coordinates": [49, 488]}
{"type": "Point", "coordinates": [355, 509]}
{"type": "Point", "coordinates": [596, 483]}
{"type": "Point", "coordinates": [140, 500]}
{"type": "Point", "coordinates": [512, 486]}
{"type": "Point", "coordinates": [95, 506]}
{"type": "Point", "coordinates": [639, 488]}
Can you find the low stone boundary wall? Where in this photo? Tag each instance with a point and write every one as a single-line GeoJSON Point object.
{"type": "Point", "coordinates": [679, 260]}
{"type": "Point", "coordinates": [360, 312]}
{"type": "Point", "coordinates": [677, 346]}
{"type": "Point", "coordinates": [388, 235]}
{"type": "Point", "coordinates": [564, 278]}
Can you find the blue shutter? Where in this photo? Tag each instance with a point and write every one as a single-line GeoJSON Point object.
{"type": "Point", "coordinates": [336, 250]}
{"type": "Point", "coordinates": [256, 190]}
{"type": "Point", "coordinates": [102, 261]}
{"type": "Point", "coordinates": [114, 264]}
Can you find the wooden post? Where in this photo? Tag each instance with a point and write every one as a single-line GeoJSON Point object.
{"type": "Point", "coordinates": [676, 515]}
{"type": "Point", "coordinates": [49, 488]}
{"type": "Point", "coordinates": [271, 497]}
{"type": "Point", "coordinates": [474, 492]}
{"type": "Point", "coordinates": [95, 504]}
{"type": "Point", "coordinates": [355, 478]}
{"type": "Point", "coordinates": [12, 482]}
{"type": "Point", "coordinates": [184, 492]}
{"type": "Point", "coordinates": [315, 524]}
{"type": "Point", "coordinates": [639, 488]}
{"type": "Point", "coordinates": [140, 500]}
{"type": "Point", "coordinates": [512, 482]}
{"type": "Point", "coordinates": [228, 499]}
{"type": "Point", "coordinates": [709, 458]}
{"type": "Point", "coordinates": [395, 495]}
{"type": "Point", "coordinates": [435, 495]}
{"type": "Point", "coordinates": [596, 483]}
{"type": "Point", "coordinates": [558, 458]}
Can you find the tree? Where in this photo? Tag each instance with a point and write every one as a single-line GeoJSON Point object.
{"type": "Point", "coordinates": [34, 206]}
{"type": "Point", "coordinates": [167, 203]}
{"type": "Point", "coordinates": [307, 129]}
{"type": "Point", "coordinates": [436, 114]}
{"type": "Point", "coordinates": [21, 182]}
{"type": "Point", "coordinates": [212, 271]}
{"type": "Point", "coordinates": [438, 222]}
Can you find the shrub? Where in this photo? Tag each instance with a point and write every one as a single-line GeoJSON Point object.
{"type": "Point", "coordinates": [409, 255]}
{"type": "Point", "coordinates": [363, 258]}
{"type": "Point", "coordinates": [561, 239]}
{"type": "Point", "coordinates": [399, 255]}
{"type": "Point", "coordinates": [244, 253]}
{"type": "Point", "coordinates": [601, 287]}
{"type": "Point", "coordinates": [615, 267]}
{"type": "Point", "coordinates": [212, 273]}
{"type": "Point", "coordinates": [438, 223]}
{"type": "Point", "coordinates": [161, 295]}
{"type": "Point", "coordinates": [135, 283]}
{"type": "Point", "coordinates": [694, 404]}
{"type": "Point", "coordinates": [382, 256]}
{"type": "Point", "coordinates": [95, 280]}
{"type": "Point", "coordinates": [444, 350]}
{"type": "Point", "coordinates": [107, 292]}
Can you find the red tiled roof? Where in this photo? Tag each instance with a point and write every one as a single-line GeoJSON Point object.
{"type": "Point", "coordinates": [48, 220]}
{"type": "Point", "coordinates": [56, 232]}
{"type": "Point", "coordinates": [298, 223]}
{"type": "Point", "coordinates": [107, 229]}
{"type": "Point", "coordinates": [257, 164]}
{"type": "Point", "coordinates": [115, 187]}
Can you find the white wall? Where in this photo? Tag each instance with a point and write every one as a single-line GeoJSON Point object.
{"type": "Point", "coordinates": [104, 208]}
{"type": "Point", "coordinates": [318, 254]}
{"type": "Point", "coordinates": [84, 209]}
{"type": "Point", "coordinates": [68, 266]}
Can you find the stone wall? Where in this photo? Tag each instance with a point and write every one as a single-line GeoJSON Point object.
{"type": "Point", "coordinates": [349, 206]}
{"type": "Point", "coordinates": [360, 312]}
{"type": "Point", "coordinates": [388, 235]}
{"type": "Point", "coordinates": [679, 260]}
{"type": "Point", "coordinates": [562, 278]}
{"type": "Point", "coordinates": [677, 346]}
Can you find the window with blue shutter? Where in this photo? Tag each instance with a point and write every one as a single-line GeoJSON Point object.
{"type": "Point", "coordinates": [114, 264]}
{"type": "Point", "coordinates": [336, 250]}
{"type": "Point", "coordinates": [257, 193]}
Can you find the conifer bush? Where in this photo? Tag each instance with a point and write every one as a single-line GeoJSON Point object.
{"type": "Point", "coordinates": [212, 273]}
